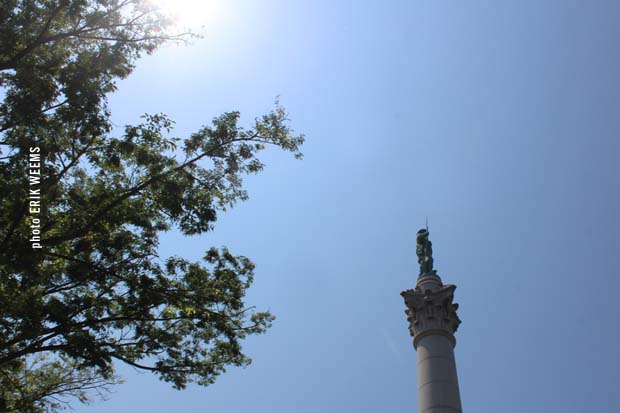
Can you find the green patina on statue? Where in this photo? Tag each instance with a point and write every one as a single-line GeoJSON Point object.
{"type": "Point", "coordinates": [424, 251]}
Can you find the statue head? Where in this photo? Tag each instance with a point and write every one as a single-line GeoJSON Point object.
{"type": "Point", "coordinates": [422, 236]}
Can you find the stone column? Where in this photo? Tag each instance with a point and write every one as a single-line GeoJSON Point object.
{"type": "Point", "coordinates": [432, 323]}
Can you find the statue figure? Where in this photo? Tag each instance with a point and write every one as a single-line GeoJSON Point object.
{"type": "Point", "coordinates": [424, 251]}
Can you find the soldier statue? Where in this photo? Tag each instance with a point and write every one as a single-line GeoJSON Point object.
{"type": "Point", "coordinates": [424, 251]}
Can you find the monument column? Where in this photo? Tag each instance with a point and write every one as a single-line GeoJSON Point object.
{"type": "Point", "coordinates": [432, 322]}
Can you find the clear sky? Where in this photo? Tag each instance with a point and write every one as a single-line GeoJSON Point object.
{"type": "Point", "coordinates": [499, 120]}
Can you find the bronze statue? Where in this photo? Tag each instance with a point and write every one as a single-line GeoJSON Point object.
{"type": "Point", "coordinates": [424, 251]}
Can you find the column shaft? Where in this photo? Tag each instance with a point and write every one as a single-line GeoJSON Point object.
{"type": "Point", "coordinates": [432, 322]}
{"type": "Point", "coordinates": [438, 388]}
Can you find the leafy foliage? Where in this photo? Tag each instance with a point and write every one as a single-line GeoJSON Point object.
{"type": "Point", "coordinates": [98, 292]}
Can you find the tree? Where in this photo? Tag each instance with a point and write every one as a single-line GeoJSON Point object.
{"type": "Point", "coordinates": [97, 291]}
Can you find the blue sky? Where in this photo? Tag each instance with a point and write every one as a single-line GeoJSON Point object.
{"type": "Point", "coordinates": [497, 120]}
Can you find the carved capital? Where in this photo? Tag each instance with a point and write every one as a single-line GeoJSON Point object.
{"type": "Point", "coordinates": [431, 311]}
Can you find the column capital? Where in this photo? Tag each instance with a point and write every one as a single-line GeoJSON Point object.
{"type": "Point", "coordinates": [430, 310]}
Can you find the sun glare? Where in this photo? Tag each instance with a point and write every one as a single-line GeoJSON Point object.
{"type": "Point", "coordinates": [189, 13]}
